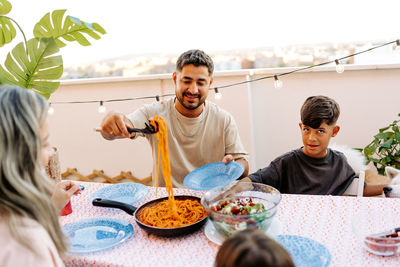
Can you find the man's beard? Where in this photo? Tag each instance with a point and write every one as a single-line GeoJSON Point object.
{"type": "Point", "coordinates": [180, 99]}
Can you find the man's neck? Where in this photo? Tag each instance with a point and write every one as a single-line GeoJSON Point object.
{"type": "Point", "coordinates": [190, 113]}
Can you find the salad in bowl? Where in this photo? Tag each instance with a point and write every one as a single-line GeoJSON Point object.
{"type": "Point", "coordinates": [246, 204]}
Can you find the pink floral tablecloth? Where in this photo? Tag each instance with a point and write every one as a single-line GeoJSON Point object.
{"type": "Point", "coordinates": [326, 219]}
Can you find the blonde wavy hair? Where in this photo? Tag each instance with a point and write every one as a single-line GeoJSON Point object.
{"type": "Point", "coordinates": [25, 189]}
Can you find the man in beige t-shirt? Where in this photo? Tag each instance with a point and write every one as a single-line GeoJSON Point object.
{"type": "Point", "coordinates": [199, 132]}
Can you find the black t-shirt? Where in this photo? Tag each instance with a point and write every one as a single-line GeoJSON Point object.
{"type": "Point", "coordinates": [297, 173]}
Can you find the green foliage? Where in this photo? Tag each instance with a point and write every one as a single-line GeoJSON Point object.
{"type": "Point", "coordinates": [5, 7]}
{"type": "Point", "coordinates": [7, 30]}
{"type": "Point", "coordinates": [71, 30]}
{"type": "Point", "coordinates": [36, 67]}
{"type": "Point", "coordinates": [33, 64]}
{"type": "Point", "coordinates": [384, 150]}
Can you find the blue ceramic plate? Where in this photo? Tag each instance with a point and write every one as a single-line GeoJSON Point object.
{"type": "Point", "coordinates": [304, 251]}
{"type": "Point", "coordinates": [128, 193]}
{"type": "Point", "coordinates": [213, 175]}
{"type": "Point", "coordinates": [95, 234]}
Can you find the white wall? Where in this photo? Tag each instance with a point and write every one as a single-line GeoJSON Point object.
{"type": "Point", "coordinates": [369, 98]}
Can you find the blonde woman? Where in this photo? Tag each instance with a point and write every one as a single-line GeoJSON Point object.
{"type": "Point", "coordinates": [30, 233]}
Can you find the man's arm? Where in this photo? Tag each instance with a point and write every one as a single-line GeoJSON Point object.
{"type": "Point", "coordinates": [246, 166]}
{"type": "Point", "coordinates": [114, 126]}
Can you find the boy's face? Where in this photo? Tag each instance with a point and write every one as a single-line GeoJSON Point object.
{"type": "Point", "coordinates": [316, 141]}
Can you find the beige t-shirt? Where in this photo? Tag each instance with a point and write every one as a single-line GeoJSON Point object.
{"type": "Point", "coordinates": [12, 253]}
{"type": "Point", "coordinates": [192, 142]}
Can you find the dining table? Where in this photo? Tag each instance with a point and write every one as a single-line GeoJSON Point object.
{"type": "Point", "coordinates": [324, 219]}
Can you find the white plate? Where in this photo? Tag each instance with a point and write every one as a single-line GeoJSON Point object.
{"type": "Point", "coordinates": [212, 234]}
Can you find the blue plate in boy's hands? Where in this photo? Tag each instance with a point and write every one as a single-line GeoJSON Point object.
{"type": "Point", "coordinates": [213, 175]}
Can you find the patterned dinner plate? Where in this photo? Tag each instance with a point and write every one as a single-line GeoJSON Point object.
{"type": "Point", "coordinates": [213, 175]}
{"type": "Point", "coordinates": [304, 251]}
{"type": "Point", "coordinates": [212, 234]}
{"type": "Point", "coordinates": [95, 234]}
{"type": "Point", "coordinates": [128, 193]}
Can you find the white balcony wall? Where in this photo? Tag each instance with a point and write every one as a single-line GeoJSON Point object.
{"type": "Point", "coordinates": [267, 118]}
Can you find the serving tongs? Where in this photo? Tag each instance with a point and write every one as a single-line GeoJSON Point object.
{"type": "Point", "coordinates": [392, 233]}
{"type": "Point", "coordinates": [149, 129]}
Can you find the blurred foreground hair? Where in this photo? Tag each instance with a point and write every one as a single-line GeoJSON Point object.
{"type": "Point", "coordinates": [25, 189]}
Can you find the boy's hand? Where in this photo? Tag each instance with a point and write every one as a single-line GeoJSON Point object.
{"type": "Point", "coordinates": [63, 192]}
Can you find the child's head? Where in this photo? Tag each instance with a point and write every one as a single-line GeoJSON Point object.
{"type": "Point", "coordinates": [319, 115]}
{"type": "Point", "coordinates": [252, 248]}
{"type": "Point", "coordinates": [25, 189]}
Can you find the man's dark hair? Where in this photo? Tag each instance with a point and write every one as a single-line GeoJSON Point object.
{"type": "Point", "coordinates": [195, 57]}
{"type": "Point", "coordinates": [319, 109]}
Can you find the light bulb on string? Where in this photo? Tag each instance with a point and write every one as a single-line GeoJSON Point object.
{"type": "Point", "coordinates": [158, 98]}
{"type": "Point", "coordinates": [396, 45]}
{"type": "Point", "coordinates": [277, 83]}
{"type": "Point", "coordinates": [217, 94]}
{"type": "Point", "coordinates": [50, 111]}
{"type": "Point", "coordinates": [339, 67]}
{"type": "Point", "coordinates": [102, 108]}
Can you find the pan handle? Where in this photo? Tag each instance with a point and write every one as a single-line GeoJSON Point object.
{"type": "Point", "coordinates": [101, 202]}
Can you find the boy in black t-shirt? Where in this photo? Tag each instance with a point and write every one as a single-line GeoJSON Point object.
{"type": "Point", "coordinates": [314, 168]}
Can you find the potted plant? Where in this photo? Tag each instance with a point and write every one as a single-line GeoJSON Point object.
{"type": "Point", "coordinates": [34, 63]}
{"type": "Point", "coordinates": [384, 150]}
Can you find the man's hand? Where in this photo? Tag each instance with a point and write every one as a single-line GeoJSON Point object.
{"type": "Point", "coordinates": [114, 126]}
{"type": "Point", "coordinates": [228, 158]}
{"type": "Point", "coordinates": [62, 193]}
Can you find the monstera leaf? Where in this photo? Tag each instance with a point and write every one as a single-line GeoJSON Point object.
{"type": "Point", "coordinates": [35, 67]}
{"type": "Point", "coordinates": [5, 7]}
{"type": "Point", "coordinates": [7, 30]}
{"type": "Point", "coordinates": [73, 29]}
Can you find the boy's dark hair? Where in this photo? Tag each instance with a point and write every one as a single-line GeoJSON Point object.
{"type": "Point", "coordinates": [195, 57]}
{"type": "Point", "coordinates": [319, 109]}
{"type": "Point", "coordinates": [252, 248]}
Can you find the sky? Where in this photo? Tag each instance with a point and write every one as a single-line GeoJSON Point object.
{"type": "Point", "coordinates": [174, 26]}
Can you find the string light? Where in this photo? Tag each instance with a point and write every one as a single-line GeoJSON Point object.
{"type": "Point", "coordinates": [158, 98]}
{"type": "Point", "coordinates": [339, 67]}
{"type": "Point", "coordinates": [217, 94]}
{"type": "Point", "coordinates": [277, 83]}
{"type": "Point", "coordinates": [50, 111]}
{"type": "Point", "coordinates": [102, 108]}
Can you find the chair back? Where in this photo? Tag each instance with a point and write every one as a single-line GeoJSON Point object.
{"type": "Point", "coordinates": [356, 188]}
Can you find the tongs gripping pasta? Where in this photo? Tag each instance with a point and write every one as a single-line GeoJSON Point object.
{"type": "Point", "coordinates": [149, 129]}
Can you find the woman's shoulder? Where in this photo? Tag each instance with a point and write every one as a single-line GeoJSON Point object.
{"type": "Point", "coordinates": [13, 253]}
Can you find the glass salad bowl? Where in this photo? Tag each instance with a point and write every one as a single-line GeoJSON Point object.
{"type": "Point", "coordinates": [241, 205]}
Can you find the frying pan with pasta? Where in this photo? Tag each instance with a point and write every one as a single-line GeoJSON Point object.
{"type": "Point", "coordinates": [167, 232]}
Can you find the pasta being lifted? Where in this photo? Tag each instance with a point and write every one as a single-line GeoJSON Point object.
{"type": "Point", "coordinates": [172, 212]}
